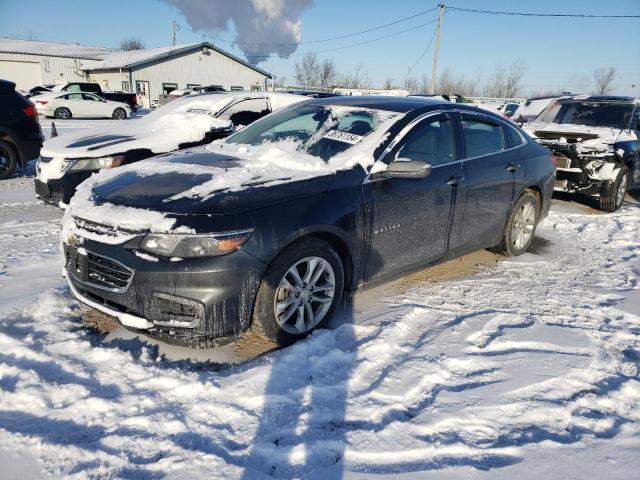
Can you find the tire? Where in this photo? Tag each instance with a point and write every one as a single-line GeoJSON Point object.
{"type": "Point", "coordinates": [512, 244]}
{"type": "Point", "coordinates": [612, 192]}
{"type": "Point", "coordinates": [119, 114]}
{"type": "Point", "coordinates": [62, 113]}
{"type": "Point", "coordinates": [8, 160]}
{"type": "Point", "coordinates": [272, 295]}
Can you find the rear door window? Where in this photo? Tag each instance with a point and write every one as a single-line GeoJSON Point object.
{"type": "Point", "coordinates": [73, 96]}
{"type": "Point", "coordinates": [481, 137]}
{"type": "Point", "coordinates": [431, 141]}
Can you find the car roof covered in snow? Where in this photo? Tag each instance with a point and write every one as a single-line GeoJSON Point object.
{"type": "Point", "coordinates": [598, 98]}
{"type": "Point", "coordinates": [393, 104]}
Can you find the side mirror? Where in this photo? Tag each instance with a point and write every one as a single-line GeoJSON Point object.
{"type": "Point", "coordinates": [405, 168]}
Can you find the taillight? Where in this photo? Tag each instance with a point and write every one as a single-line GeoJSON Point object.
{"type": "Point", "coordinates": [30, 111]}
{"type": "Point", "coordinates": [134, 99]}
{"type": "Point", "coordinates": [554, 160]}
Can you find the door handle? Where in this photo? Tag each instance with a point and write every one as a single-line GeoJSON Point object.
{"type": "Point", "coordinates": [512, 167]}
{"type": "Point", "coordinates": [454, 181]}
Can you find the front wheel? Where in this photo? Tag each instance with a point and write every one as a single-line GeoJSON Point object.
{"type": "Point", "coordinates": [62, 113]}
{"type": "Point", "coordinates": [8, 160]}
{"type": "Point", "coordinates": [521, 226]}
{"type": "Point", "coordinates": [119, 114]}
{"type": "Point", "coordinates": [613, 191]}
{"type": "Point", "coordinates": [299, 292]}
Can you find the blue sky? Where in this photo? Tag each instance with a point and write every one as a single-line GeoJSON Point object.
{"type": "Point", "coordinates": [557, 52]}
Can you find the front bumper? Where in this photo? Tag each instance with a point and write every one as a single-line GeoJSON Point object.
{"type": "Point", "coordinates": [187, 302]}
{"type": "Point", "coordinates": [61, 189]}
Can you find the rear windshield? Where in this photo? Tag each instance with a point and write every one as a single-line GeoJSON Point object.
{"type": "Point", "coordinates": [590, 114]}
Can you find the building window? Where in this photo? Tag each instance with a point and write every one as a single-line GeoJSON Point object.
{"type": "Point", "coordinates": [125, 86]}
{"type": "Point", "coordinates": [256, 88]}
{"type": "Point", "coordinates": [236, 88]}
{"type": "Point", "coordinates": [169, 87]}
{"type": "Point", "coordinates": [191, 85]}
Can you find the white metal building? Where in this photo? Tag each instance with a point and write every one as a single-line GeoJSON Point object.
{"type": "Point", "coordinates": [29, 63]}
{"type": "Point", "coordinates": [149, 72]}
{"type": "Point", "coordinates": [154, 71]}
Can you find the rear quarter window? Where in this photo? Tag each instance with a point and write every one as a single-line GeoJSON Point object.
{"type": "Point", "coordinates": [511, 137]}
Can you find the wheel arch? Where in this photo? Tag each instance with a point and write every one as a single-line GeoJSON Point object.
{"type": "Point", "coordinates": [330, 234]}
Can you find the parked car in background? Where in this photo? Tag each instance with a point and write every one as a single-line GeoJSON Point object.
{"type": "Point", "coordinates": [66, 105]}
{"type": "Point", "coordinates": [179, 92]}
{"type": "Point", "coordinates": [68, 160]}
{"type": "Point", "coordinates": [20, 133]}
{"type": "Point", "coordinates": [40, 89]}
{"type": "Point", "coordinates": [529, 110]}
{"type": "Point", "coordinates": [208, 88]}
{"type": "Point", "coordinates": [268, 228]}
{"type": "Point", "coordinates": [130, 99]}
{"type": "Point", "coordinates": [596, 143]}
{"type": "Point", "coordinates": [313, 93]}
{"type": "Point", "coordinates": [508, 109]}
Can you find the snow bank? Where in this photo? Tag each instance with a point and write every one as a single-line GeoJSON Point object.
{"type": "Point", "coordinates": [524, 370]}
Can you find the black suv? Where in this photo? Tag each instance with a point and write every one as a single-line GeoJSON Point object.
{"type": "Point", "coordinates": [20, 134]}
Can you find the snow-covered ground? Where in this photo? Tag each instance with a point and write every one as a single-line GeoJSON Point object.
{"type": "Point", "coordinates": [527, 368]}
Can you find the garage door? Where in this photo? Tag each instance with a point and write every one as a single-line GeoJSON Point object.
{"type": "Point", "coordinates": [24, 74]}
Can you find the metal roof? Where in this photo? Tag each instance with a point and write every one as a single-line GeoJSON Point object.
{"type": "Point", "coordinates": [135, 58]}
{"type": "Point", "coordinates": [50, 49]}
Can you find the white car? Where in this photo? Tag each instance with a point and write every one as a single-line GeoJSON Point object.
{"type": "Point", "coordinates": [193, 120]}
{"type": "Point", "coordinates": [65, 105]}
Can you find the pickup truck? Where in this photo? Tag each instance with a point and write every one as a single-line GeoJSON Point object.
{"type": "Point", "coordinates": [130, 99]}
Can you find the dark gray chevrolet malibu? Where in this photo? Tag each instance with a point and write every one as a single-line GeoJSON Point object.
{"type": "Point", "coordinates": [271, 227]}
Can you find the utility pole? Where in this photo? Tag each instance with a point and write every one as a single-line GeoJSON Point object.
{"type": "Point", "coordinates": [434, 70]}
{"type": "Point", "coordinates": [173, 31]}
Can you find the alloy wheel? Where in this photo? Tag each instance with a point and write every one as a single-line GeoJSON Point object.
{"type": "Point", "coordinates": [622, 191]}
{"type": "Point", "coordinates": [304, 295]}
{"type": "Point", "coordinates": [523, 224]}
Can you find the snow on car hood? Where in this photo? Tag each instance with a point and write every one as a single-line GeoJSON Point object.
{"type": "Point", "coordinates": [206, 174]}
{"type": "Point", "coordinates": [589, 139]}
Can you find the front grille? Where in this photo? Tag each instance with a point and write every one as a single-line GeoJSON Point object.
{"type": "Point", "coordinates": [107, 273]}
{"type": "Point", "coordinates": [100, 228]}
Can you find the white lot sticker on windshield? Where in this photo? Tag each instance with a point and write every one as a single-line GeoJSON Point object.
{"type": "Point", "coordinates": [341, 136]}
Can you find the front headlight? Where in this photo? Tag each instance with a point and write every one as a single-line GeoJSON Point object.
{"type": "Point", "coordinates": [95, 163]}
{"type": "Point", "coordinates": [189, 246]}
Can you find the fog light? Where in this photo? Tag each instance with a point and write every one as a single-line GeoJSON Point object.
{"type": "Point", "coordinates": [172, 311]}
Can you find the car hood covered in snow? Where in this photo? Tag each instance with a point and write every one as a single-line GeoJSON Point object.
{"type": "Point", "coordinates": [201, 182]}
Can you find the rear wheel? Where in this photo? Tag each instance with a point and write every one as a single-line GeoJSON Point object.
{"type": "Point", "coordinates": [8, 160]}
{"type": "Point", "coordinates": [119, 114]}
{"type": "Point", "coordinates": [62, 113]}
{"type": "Point", "coordinates": [299, 292]}
{"type": "Point", "coordinates": [521, 226]}
{"type": "Point", "coordinates": [612, 192]}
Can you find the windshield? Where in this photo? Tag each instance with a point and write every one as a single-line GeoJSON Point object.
{"type": "Point", "coordinates": [318, 130]}
{"type": "Point", "coordinates": [590, 114]}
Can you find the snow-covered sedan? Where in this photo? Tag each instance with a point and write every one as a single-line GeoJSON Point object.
{"type": "Point", "coordinates": [268, 228]}
{"type": "Point", "coordinates": [66, 105]}
{"type": "Point", "coordinates": [67, 160]}
{"type": "Point", "coordinates": [596, 141]}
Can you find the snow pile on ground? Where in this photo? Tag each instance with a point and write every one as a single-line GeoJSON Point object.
{"type": "Point", "coordinates": [528, 369]}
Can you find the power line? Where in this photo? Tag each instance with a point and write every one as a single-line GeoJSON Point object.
{"type": "Point", "coordinates": [309, 42]}
{"type": "Point", "coordinates": [526, 14]}
{"type": "Point", "coordinates": [345, 46]}
{"type": "Point", "coordinates": [424, 52]}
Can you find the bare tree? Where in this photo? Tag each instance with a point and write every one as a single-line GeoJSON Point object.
{"type": "Point", "coordinates": [280, 81]}
{"type": "Point", "coordinates": [357, 79]}
{"type": "Point", "coordinates": [506, 82]}
{"type": "Point", "coordinates": [327, 74]}
{"type": "Point", "coordinates": [388, 84]}
{"type": "Point", "coordinates": [411, 84]}
{"type": "Point", "coordinates": [307, 71]}
{"type": "Point", "coordinates": [424, 83]}
{"type": "Point", "coordinates": [604, 80]}
{"type": "Point", "coordinates": [131, 43]}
